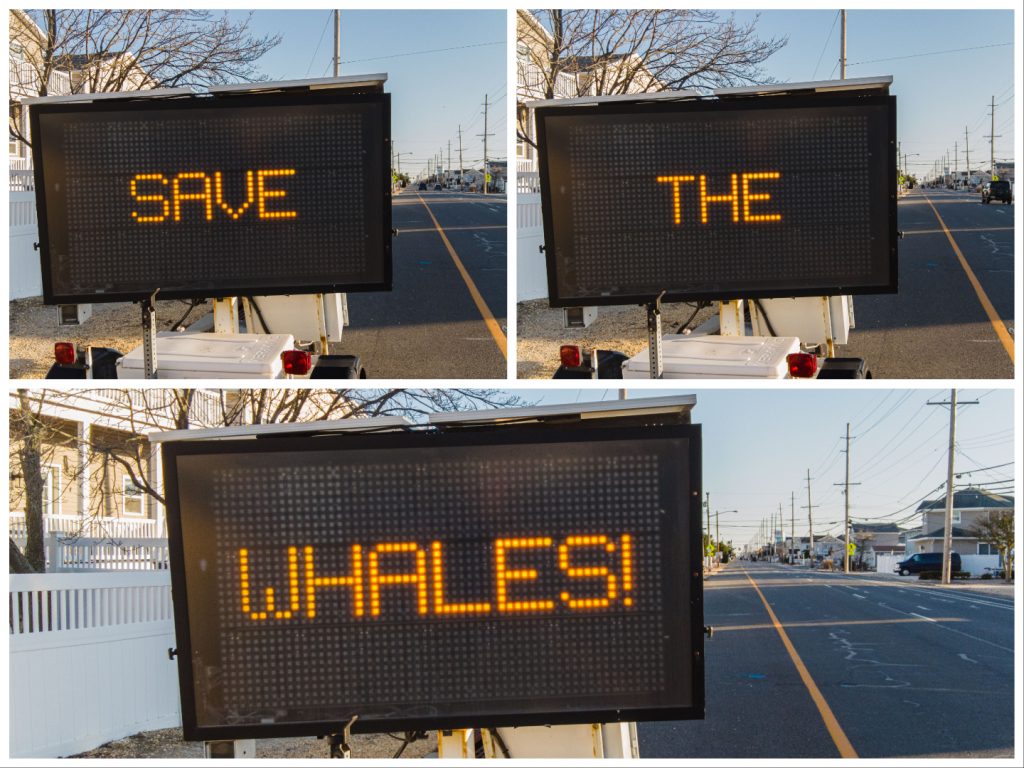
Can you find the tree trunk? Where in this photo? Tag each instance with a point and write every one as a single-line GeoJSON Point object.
{"type": "Point", "coordinates": [32, 472]}
{"type": "Point", "coordinates": [18, 563]}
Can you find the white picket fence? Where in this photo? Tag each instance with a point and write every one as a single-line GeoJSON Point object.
{"type": "Point", "coordinates": [88, 660]}
{"type": "Point", "coordinates": [83, 554]}
{"type": "Point", "coordinates": [96, 527]}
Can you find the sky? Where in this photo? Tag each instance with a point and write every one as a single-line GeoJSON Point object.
{"type": "Point", "coordinates": [440, 65]}
{"type": "Point", "coordinates": [938, 95]}
{"type": "Point", "coordinates": [758, 446]}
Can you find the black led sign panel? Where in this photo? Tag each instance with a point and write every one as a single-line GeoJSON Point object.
{"type": "Point", "coordinates": [270, 193]}
{"type": "Point", "coordinates": [424, 581]}
{"type": "Point", "coordinates": [722, 199]}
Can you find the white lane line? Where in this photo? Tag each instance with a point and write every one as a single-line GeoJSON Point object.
{"type": "Point", "coordinates": [965, 657]}
{"type": "Point", "coordinates": [923, 608]}
{"type": "Point", "coordinates": [862, 597]}
{"type": "Point", "coordinates": [965, 634]}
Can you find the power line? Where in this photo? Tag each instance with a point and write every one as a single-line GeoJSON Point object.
{"type": "Point", "coordinates": [828, 39]}
{"type": "Point", "coordinates": [931, 53]}
{"type": "Point", "coordinates": [318, 42]}
{"type": "Point", "coordinates": [419, 53]}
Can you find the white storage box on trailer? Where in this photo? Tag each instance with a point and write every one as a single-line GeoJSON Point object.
{"type": "Point", "coordinates": [211, 356]}
{"type": "Point", "coordinates": [717, 357]}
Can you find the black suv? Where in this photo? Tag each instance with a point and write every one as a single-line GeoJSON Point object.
{"type": "Point", "coordinates": [997, 190]}
{"type": "Point", "coordinates": [927, 561]}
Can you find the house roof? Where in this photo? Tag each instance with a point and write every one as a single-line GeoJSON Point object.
{"type": "Point", "coordinates": [938, 533]}
{"type": "Point", "coordinates": [876, 528]}
{"type": "Point", "coordinates": [969, 498]}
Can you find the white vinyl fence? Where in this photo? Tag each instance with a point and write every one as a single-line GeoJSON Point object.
{"type": "Point", "coordinates": [26, 277]}
{"type": "Point", "coordinates": [531, 268]}
{"type": "Point", "coordinates": [88, 660]}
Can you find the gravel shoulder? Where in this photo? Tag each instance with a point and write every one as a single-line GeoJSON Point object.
{"type": "Point", "coordinates": [540, 332]}
{"type": "Point", "coordinates": [34, 329]}
{"type": "Point", "coordinates": [168, 743]}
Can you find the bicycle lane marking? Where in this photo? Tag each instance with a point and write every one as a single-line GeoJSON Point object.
{"type": "Point", "coordinates": [990, 310]}
{"type": "Point", "coordinates": [492, 324]}
{"type": "Point", "coordinates": [828, 717]}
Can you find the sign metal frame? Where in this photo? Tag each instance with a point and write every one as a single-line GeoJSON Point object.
{"type": "Point", "coordinates": [295, 97]}
{"type": "Point", "coordinates": [754, 105]}
{"type": "Point", "coordinates": [684, 537]}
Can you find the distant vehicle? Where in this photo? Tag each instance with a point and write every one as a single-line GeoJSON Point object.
{"type": "Point", "coordinates": [437, 187]}
{"type": "Point", "coordinates": [927, 561]}
{"type": "Point", "coordinates": [997, 190]}
{"type": "Point", "coordinates": [423, 186]}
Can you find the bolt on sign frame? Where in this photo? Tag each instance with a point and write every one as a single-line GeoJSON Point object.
{"type": "Point", "coordinates": [748, 196]}
{"type": "Point", "coordinates": [220, 194]}
{"type": "Point", "coordinates": [422, 580]}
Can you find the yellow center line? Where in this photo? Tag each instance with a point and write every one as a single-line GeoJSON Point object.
{"type": "Point", "coordinates": [831, 724]}
{"type": "Point", "coordinates": [830, 623]}
{"type": "Point", "coordinates": [993, 316]}
{"type": "Point", "coordinates": [492, 325]}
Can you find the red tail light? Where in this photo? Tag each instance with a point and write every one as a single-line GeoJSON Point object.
{"type": "Point", "coordinates": [802, 365]}
{"type": "Point", "coordinates": [570, 354]}
{"type": "Point", "coordinates": [296, 362]}
{"type": "Point", "coordinates": [64, 352]}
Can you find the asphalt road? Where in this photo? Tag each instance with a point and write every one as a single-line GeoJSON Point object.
{"type": "Point", "coordinates": [431, 325]}
{"type": "Point", "coordinates": [903, 670]}
{"type": "Point", "coordinates": [937, 325]}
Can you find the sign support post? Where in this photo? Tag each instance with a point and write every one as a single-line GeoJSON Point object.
{"type": "Point", "coordinates": [654, 336]}
{"type": "Point", "coordinates": [149, 336]}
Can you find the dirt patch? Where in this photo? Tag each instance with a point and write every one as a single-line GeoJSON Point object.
{"type": "Point", "coordinates": [34, 329]}
{"type": "Point", "coordinates": [540, 332]}
{"type": "Point", "coordinates": [168, 743]}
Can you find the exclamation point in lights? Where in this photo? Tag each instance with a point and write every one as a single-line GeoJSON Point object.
{"type": "Point", "coordinates": [626, 542]}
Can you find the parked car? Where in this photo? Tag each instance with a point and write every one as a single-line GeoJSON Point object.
{"type": "Point", "coordinates": [927, 561]}
{"type": "Point", "coordinates": [997, 190]}
{"type": "Point", "coordinates": [437, 187]}
{"type": "Point", "coordinates": [423, 186]}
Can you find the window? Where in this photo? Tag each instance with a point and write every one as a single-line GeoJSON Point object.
{"type": "Point", "coordinates": [984, 548]}
{"type": "Point", "coordinates": [16, 123]}
{"type": "Point", "coordinates": [51, 490]}
{"type": "Point", "coordinates": [134, 499]}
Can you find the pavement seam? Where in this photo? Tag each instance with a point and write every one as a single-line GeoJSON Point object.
{"type": "Point", "coordinates": [993, 316]}
{"type": "Point", "coordinates": [831, 723]}
{"type": "Point", "coordinates": [492, 325]}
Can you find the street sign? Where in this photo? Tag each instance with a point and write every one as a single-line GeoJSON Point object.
{"type": "Point", "coordinates": [207, 196]}
{"type": "Point", "coordinates": [436, 580]}
{"type": "Point", "coordinates": [851, 548]}
{"type": "Point", "coordinates": [719, 199]}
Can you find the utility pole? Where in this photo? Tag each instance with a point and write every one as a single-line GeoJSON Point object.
{"type": "Point", "coordinates": [485, 134]}
{"type": "Point", "coordinates": [967, 151]}
{"type": "Point", "coordinates": [810, 520]}
{"type": "Point", "coordinates": [337, 43]}
{"type": "Point", "coordinates": [707, 499]}
{"type": "Point", "coordinates": [792, 516]}
{"type": "Point", "coordinates": [992, 141]}
{"type": "Point", "coordinates": [449, 160]}
{"type": "Point", "coordinates": [956, 163]}
{"type": "Point", "coordinates": [462, 168]}
{"type": "Point", "coordinates": [846, 495]}
{"type": "Point", "coordinates": [782, 532]}
{"type": "Point", "coordinates": [947, 536]}
{"type": "Point", "coordinates": [842, 55]}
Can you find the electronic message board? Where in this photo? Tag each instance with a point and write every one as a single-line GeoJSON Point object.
{"type": "Point", "coordinates": [719, 199]}
{"type": "Point", "coordinates": [421, 581]}
{"type": "Point", "coordinates": [270, 193]}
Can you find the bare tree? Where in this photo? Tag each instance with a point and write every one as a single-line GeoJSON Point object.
{"type": "Point", "coordinates": [35, 438]}
{"type": "Point", "coordinates": [604, 51]}
{"type": "Point", "coordinates": [997, 530]}
{"type": "Point", "coordinates": [121, 49]}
